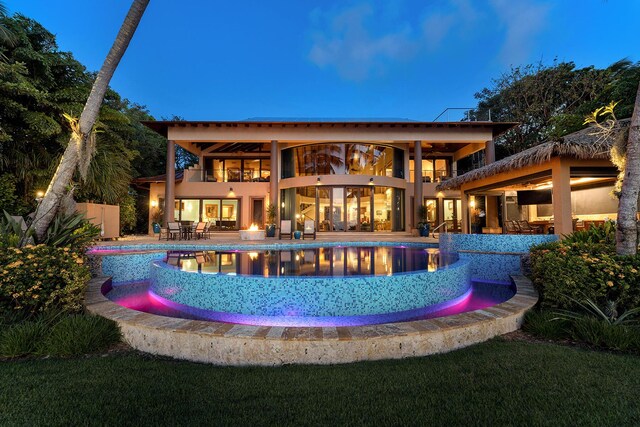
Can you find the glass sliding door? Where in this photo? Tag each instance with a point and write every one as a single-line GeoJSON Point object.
{"type": "Point", "coordinates": [452, 214]}
{"type": "Point", "coordinates": [382, 209]}
{"type": "Point", "coordinates": [337, 210]}
{"type": "Point", "coordinates": [324, 209]}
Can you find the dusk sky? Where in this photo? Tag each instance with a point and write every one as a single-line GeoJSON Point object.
{"type": "Point", "coordinates": [226, 60]}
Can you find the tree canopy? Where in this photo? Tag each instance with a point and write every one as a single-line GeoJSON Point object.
{"type": "Point", "coordinates": [38, 85]}
{"type": "Point", "coordinates": [550, 101]}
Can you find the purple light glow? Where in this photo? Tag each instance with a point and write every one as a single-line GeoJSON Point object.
{"type": "Point", "coordinates": [481, 295]}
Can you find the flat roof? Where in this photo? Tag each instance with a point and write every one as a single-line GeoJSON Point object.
{"type": "Point", "coordinates": [162, 126]}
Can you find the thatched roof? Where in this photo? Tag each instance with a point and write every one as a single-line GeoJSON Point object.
{"type": "Point", "coordinates": [584, 144]}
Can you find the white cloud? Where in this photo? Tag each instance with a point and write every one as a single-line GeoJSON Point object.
{"type": "Point", "coordinates": [365, 39]}
{"type": "Point", "coordinates": [522, 20]}
{"type": "Point", "coordinates": [346, 42]}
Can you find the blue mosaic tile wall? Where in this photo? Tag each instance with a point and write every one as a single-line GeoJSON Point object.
{"type": "Point", "coordinates": [492, 267]}
{"type": "Point", "coordinates": [130, 267]}
{"type": "Point", "coordinates": [310, 296]}
{"type": "Point", "coordinates": [517, 243]}
{"type": "Point", "coordinates": [492, 257]}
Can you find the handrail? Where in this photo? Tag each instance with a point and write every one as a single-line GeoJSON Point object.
{"type": "Point", "coordinates": [433, 232]}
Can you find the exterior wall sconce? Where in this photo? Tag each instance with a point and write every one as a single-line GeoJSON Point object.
{"type": "Point", "coordinates": [39, 195]}
{"type": "Point", "coordinates": [154, 203]}
{"type": "Point", "coordinates": [230, 189]}
{"type": "Point", "coordinates": [370, 181]}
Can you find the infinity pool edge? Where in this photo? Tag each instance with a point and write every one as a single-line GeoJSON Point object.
{"type": "Point", "coordinates": [239, 345]}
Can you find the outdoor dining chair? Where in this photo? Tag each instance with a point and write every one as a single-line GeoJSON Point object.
{"type": "Point", "coordinates": [309, 229]}
{"type": "Point", "coordinates": [173, 230]}
{"type": "Point", "coordinates": [199, 231]}
{"type": "Point", "coordinates": [285, 229]}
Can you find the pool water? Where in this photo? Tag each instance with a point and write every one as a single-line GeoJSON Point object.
{"type": "Point", "coordinates": [312, 262]}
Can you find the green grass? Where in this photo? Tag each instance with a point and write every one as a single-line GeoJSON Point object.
{"type": "Point", "coordinates": [495, 383]}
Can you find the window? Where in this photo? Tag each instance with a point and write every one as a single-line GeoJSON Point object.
{"type": "Point", "coordinates": [340, 159]}
{"type": "Point", "coordinates": [238, 170]}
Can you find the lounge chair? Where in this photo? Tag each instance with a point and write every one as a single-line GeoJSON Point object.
{"type": "Point", "coordinates": [173, 230]}
{"type": "Point", "coordinates": [511, 227]}
{"type": "Point", "coordinates": [527, 228]}
{"type": "Point", "coordinates": [285, 228]}
{"type": "Point", "coordinates": [199, 231]}
{"type": "Point", "coordinates": [309, 229]}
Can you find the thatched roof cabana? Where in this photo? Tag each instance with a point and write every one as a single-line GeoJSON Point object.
{"type": "Point", "coordinates": [585, 144]}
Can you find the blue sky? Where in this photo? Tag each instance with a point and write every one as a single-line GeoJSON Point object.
{"type": "Point", "coordinates": [225, 60]}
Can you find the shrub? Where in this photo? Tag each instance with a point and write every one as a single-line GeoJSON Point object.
{"type": "Point", "coordinates": [569, 271]}
{"type": "Point", "coordinates": [35, 278]}
{"type": "Point", "coordinates": [22, 339]}
{"type": "Point", "coordinates": [80, 334]}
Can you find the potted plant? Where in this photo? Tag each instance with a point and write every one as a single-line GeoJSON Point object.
{"type": "Point", "coordinates": [271, 220]}
{"type": "Point", "coordinates": [423, 225]}
{"type": "Point", "coordinates": [156, 220]}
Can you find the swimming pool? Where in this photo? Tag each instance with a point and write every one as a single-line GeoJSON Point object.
{"type": "Point", "coordinates": [298, 285]}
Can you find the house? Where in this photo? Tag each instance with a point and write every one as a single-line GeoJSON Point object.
{"type": "Point", "coordinates": [346, 175]}
{"type": "Point", "coordinates": [558, 186]}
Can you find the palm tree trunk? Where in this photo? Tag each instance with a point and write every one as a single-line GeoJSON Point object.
{"type": "Point", "coordinates": [69, 162]}
{"type": "Point", "coordinates": [627, 229]}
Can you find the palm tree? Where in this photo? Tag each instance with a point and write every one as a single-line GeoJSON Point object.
{"type": "Point", "coordinates": [627, 224]}
{"type": "Point", "coordinates": [6, 37]}
{"type": "Point", "coordinates": [80, 144]}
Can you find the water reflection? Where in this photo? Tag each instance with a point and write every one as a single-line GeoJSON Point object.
{"type": "Point", "coordinates": [335, 262]}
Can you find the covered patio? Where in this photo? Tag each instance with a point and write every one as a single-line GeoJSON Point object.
{"type": "Point", "coordinates": [555, 187]}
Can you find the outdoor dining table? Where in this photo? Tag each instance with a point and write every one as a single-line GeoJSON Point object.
{"type": "Point", "coordinates": [186, 230]}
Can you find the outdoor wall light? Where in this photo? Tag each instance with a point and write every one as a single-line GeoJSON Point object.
{"type": "Point", "coordinates": [154, 203]}
{"type": "Point", "coordinates": [370, 181]}
{"type": "Point", "coordinates": [230, 189]}
{"type": "Point", "coordinates": [39, 194]}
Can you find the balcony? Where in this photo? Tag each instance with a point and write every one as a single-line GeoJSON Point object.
{"type": "Point", "coordinates": [196, 174]}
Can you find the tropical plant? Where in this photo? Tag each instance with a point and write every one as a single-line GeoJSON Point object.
{"type": "Point", "coordinates": [6, 36]}
{"type": "Point", "coordinates": [72, 231]}
{"type": "Point", "coordinates": [271, 213]}
{"type": "Point", "coordinates": [602, 234]}
{"type": "Point", "coordinates": [80, 148]}
{"type": "Point", "coordinates": [608, 314]}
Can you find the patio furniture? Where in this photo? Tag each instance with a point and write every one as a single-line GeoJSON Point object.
{"type": "Point", "coordinates": [186, 230]}
{"type": "Point", "coordinates": [511, 227]}
{"type": "Point", "coordinates": [285, 228]}
{"type": "Point", "coordinates": [173, 230]}
{"type": "Point", "coordinates": [199, 230]}
{"type": "Point", "coordinates": [309, 229]}
{"type": "Point", "coordinates": [207, 230]}
{"type": "Point", "coordinates": [164, 233]}
{"type": "Point", "coordinates": [527, 228]}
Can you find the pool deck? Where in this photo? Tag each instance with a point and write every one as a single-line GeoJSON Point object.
{"type": "Point", "coordinates": [232, 238]}
{"type": "Point", "coordinates": [235, 344]}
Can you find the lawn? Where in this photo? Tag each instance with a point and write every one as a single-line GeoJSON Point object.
{"type": "Point", "coordinates": [496, 383]}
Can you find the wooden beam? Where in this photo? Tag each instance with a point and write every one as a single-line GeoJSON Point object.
{"type": "Point", "coordinates": [467, 150]}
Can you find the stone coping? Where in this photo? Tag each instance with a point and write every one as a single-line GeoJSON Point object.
{"type": "Point", "coordinates": [234, 344]}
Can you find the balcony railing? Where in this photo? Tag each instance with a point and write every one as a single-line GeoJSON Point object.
{"type": "Point", "coordinates": [202, 175]}
{"type": "Point", "coordinates": [463, 114]}
{"type": "Point", "coordinates": [433, 175]}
